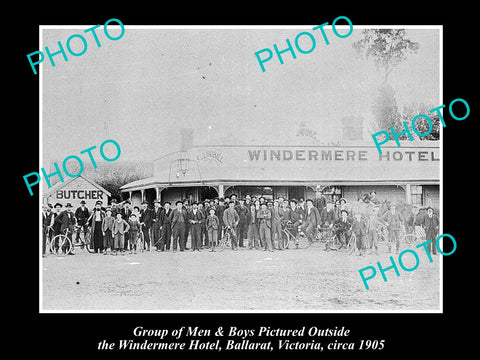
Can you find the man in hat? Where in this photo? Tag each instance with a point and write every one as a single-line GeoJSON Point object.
{"type": "Point", "coordinates": [47, 220]}
{"type": "Point", "coordinates": [179, 219]}
{"type": "Point", "coordinates": [394, 221]}
{"type": "Point", "coordinates": [242, 227]}
{"type": "Point", "coordinates": [57, 209]}
{"type": "Point", "coordinates": [277, 214]}
{"type": "Point", "coordinates": [342, 225]}
{"type": "Point", "coordinates": [219, 210]}
{"type": "Point", "coordinates": [66, 219]}
{"type": "Point", "coordinates": [320, 202]}
{"type": "Point", "coordinates": [82, 215]}
{"type": "Point", "coordinates": [230, 220]}
{"type": "Point", "coordinates": [126, 212]}
{"type": "Point", "coordinates": [297, 216]}
{"type": "Point", "coordinates": [146, 222]}
{"type": "Point", "coordinates": [264, 228]}
{"type": "Point", "coordinates": [431, 225]}
{"type": "Point", "coordinates": [96, 220]}
{"type": "Point", "coordinates": [195, 218]}
{"type": "Point", "coordinates": [312, 220]}
{"type": "Point", "coordinates": [166, 225]}
{"type": "Point", "coordinates": [373, 198]}
{"type": "Point", "coordinates": [157, 226]}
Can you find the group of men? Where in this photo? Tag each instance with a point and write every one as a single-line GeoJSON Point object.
{"type": "Point", "coordinates": [254, 223]}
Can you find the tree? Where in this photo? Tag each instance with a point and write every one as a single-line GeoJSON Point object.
{"type": "Point", "coordinates": [385, 110]}
{"type": "Point", "coordinates": [421, 124]}
{"type": "Point", "coordinates": [387, 47]}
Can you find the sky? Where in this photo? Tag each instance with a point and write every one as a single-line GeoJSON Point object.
{"type": "Point", "coordinates": [141, 89]}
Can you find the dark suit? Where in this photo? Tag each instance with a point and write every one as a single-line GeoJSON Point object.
{"type": "Point", "coordinates": [157, 226]}
{"type": "Point", "coordinates": [219, 210]}
{"type": "Point", "coordinates": [166, 224]}
{"type": "Point", "coordinates": [46, 221]}
{"type": "Point", "coordinates": [195, 219]}
{"type": "Point", "coordinates": [126, 212]}
{"type": "Point", "coordinates": [242, 224]}
{"type": "Point", "coordinates": [66, 220]}
{"type": "Point", "coordinates": [179, 220]}
{"type": "Point", "coordinates": [431, 224]}
{"type": "Point", "coordinates": [82, 216]}
{"type": "Point", "coordinates": [146, 217]}
{"type": "Point", "coordinates": [312, 221]}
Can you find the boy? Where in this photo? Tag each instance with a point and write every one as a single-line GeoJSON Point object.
{"type": "Point", "coordinates": [212, 225]}
{"type": "Point", "coordinates": [107, 227]}
{"type": "Point", "coordinates": [120, 227]}
{"type": "Point", "coordinates": [133, 233]}
{"type": "Point", "coordinates": [359, 228]}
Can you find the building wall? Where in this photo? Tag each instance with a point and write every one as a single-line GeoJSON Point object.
{"type": "Point", "coordinates": [431, 192]}
{"type": "Point", "coordinates": [75, 191]}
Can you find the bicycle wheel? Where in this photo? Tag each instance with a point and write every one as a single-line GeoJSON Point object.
{"type": "Point", "coordinates": [335, 243]}
{"type": "Point", "coordinates": [140, 243]}
{"type": "Point", "coordinates": [302, 242]}
{"type": "Point", "coordinates": [352, 244]}
{"type": "Point", "coordinates": [288, 240]}
{"type": "Point", "coordinates": [61, 245]}
{"type": "Point", "coordinates": [223, 242]}
{"type": "Point", "coordinates": [87, 242]}
{"type": "Point", "coordinates": [411, 239]}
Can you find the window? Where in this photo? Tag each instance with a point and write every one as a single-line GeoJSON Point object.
{"type": "Point", "coordinates": [416, 192]}
{"type": "Point", "coordinates": [332, 193]}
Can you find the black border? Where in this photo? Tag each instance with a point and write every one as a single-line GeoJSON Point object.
{"type": "Point", "coordinates": [405, 334]}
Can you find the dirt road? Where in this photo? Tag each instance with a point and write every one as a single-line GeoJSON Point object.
{"type": "Point", "coordinates": [309, 279]}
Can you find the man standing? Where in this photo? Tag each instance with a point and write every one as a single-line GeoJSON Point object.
{"type": "Point", "coordinates": [277, 214]}
{"type": "Point", "coordinates": [157, 226]}
{"type": "Point", "coordinates": [97, 217]}
{"type": "Point", "coordinates": [431, 225]}
{"type": "Point", "coordinates": [82, 215]}
{"type": "Point", "coordinates": [264, 216]}
{"type": "Point", "coordinates": [297, 217]}
{"type": "Point", "coordinates": [126, 211]}
{"type": "Point", "coordinates": [320, 202]}
{"type": "Point", "coordinates": [146, 222]}
{"type": "Point", "coordinates": [219, 210]}
{"type": "Point", "coordinates": [342, 225]}
{"type": "Point", "coordinates": [394, 222]}
{"type": "Point", "coordinates": [203, 231]}
{"type": "Point", "coordinates": [242, 212]}
{"type": "Point", "coordinates": [230, 220]}
{"type": "Point", "coordinates": [166, 224]}
{"type": "Point", "coordinates": [195, 218]}
{"type": "Point", "coordinates": [179, 219]}
{"type": "Point", "coordinates": [47, 219]}
{"type": "Point", "coordinates": [66, 219]}
{"type": "Point", "coordinates": [373, 198]}
{"type": "Point", "coordinates": [312, 220]}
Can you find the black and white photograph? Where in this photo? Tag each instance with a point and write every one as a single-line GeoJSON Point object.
{"type": "Point", "coordinates": [256, 169]}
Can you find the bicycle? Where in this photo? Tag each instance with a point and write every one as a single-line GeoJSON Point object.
{"type": "Point", "coordinates": [292, 241]}
{"type": "Point", "coordinates": [140, 243]}
{"type": "Point", "coordinates": [415, 237]}
{"type": "Point", "coordinates": [325, 235]}
{"type": "Point", "coordinates": [352, 243]}
{"type": "Point", "coordinates": [226, 240]}
{"type": "Point", "coordinates": [85, 240]}
{"type": "Point", "coordinates": [63, 242]}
